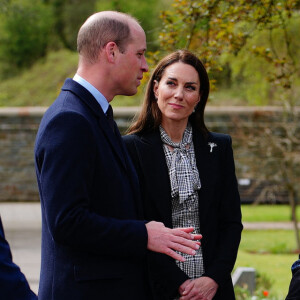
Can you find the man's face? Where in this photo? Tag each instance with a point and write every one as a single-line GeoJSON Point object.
{"type": "Point", "coordinates": [132, 63]}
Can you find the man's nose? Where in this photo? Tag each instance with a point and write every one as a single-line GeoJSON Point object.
{"type": "Point", "coordinates": [145, 67]}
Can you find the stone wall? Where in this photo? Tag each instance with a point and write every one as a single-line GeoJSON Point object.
{"type": "Point", "coordinates": [18, 127]}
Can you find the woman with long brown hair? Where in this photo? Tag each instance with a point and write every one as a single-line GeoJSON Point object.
{"type": "Point", "coordinates": [187, 178]}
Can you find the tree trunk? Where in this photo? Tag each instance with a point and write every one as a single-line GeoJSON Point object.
{"type": "Point", "coordinates": [293, 204]}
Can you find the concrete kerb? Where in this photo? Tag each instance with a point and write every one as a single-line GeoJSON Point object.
{"type": "Point", "coordinates": [20, 215]}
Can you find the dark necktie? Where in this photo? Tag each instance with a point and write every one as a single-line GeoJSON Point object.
{"type": "Point", "coordinates": [110, 118]}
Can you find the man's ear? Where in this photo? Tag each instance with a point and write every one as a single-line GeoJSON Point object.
{"type": "Point", "coordinates": [110, 51]}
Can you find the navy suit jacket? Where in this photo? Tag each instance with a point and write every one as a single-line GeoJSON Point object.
{"type": "Point", "coordinates": [219, 208]}
{"type": "Point", "coordinates": [93, 245]}
{"type": "Point", "coordinates": [13, 284]}
{"type": "Point", "coordinates": [294, 288]}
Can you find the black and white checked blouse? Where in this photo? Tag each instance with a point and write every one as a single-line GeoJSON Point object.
{"type": "Point", "coordinates": [186, 214]}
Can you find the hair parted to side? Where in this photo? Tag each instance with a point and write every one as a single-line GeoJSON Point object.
{"type": "Point", "coordinates": [150, 116]}
{"type": "Point", "coordinates": [102, 28]}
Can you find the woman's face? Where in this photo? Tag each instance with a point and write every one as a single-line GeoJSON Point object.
{"type": "Point", "coordinates": [178, 92]}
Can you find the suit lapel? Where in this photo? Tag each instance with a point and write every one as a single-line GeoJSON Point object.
{"type": "Point", "coordinates": [203, 162]}
{"type": "Point", "coordinates": [155, 168]}
{"type": "Point", "coordinates": [87, 98]}
{"type": "Point", "coordinates": [134, 181]}
{"type": "Point", "coordinates": [113, 138]}
{"type": "Point", "coordinates": [200, 154]}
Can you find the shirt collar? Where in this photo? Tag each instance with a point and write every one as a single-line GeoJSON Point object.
{"type": "Point", "coordinates": [97, 95]}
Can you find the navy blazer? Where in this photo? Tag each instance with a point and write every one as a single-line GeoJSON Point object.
{"type": "Point", "coordinates": [294, 288]}
{"type": "Point", "coordinates": [93, 245]}
{"type": "Point", "coordinates": [13, 284]}
{"type": "Point", "coordinates": [219, 208]}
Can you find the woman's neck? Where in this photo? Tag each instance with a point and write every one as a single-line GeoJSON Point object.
{"type": "Point", "coordinates": [174, 129]}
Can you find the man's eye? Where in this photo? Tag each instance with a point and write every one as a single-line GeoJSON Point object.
{"type": "Point", "coordinates": [170, 83]}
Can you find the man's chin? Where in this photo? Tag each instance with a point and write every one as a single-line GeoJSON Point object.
{"type": "Point", "coordinates": [131, 92]}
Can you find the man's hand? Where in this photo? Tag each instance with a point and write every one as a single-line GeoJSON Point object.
{"type": "Point", "coordinates": [202, 288]}
{"type": "Point", "coordinates": [165, 240]}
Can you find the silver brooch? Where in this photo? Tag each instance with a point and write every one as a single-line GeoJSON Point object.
{"type": "Point", "coordinates": [212, 145]}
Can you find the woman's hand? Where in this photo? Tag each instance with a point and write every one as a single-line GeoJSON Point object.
{"type": "Point", "coordinates": [183, 286]}
{"type": "Point", "coordinates": [202, 288]}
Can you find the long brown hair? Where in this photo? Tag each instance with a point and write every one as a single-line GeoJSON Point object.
{"type": "Point", "coordinates": [150, 116]}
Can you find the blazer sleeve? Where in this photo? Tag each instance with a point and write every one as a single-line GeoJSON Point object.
{"type": "Point", "coordinates": [13, 284]}
{"type": "Point", "coordinates": [230, 225]}
{"type": "Point", "coordinates": [65, 162]}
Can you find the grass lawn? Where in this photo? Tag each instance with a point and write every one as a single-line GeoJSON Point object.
{"type": "Point", "coordinates": [270, 253]}
{"type": "Point", "coordinates": [274, 267]}
{"type": "Point", "coordinates": [267, 213]}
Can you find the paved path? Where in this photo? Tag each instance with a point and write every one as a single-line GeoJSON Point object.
{"type": "Point", "coordinates": [22, 225]}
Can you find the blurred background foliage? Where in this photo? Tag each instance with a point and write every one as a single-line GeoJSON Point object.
{"type": "Point", "coordinates": [38, 43]}
{"type": "Point", "coordinates": [247, 46]}
{"type": "Point", "coordinates": [250, 48]}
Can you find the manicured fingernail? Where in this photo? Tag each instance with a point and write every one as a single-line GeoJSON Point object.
{"type": "Point", "coordinates": [193, 252]}
{"type": "Point", "coordinates": [197, 246]}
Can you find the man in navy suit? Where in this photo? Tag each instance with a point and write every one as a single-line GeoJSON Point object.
{"type": "Point", "coordinates": [94, 239]}
{"type": "Point", "coordinates": [294, 289]}
{"type": "Point", "coordinates": [13, 284]}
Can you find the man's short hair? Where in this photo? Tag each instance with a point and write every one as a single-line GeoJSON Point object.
{"type": "Point", "coordinates": [100, 29]}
